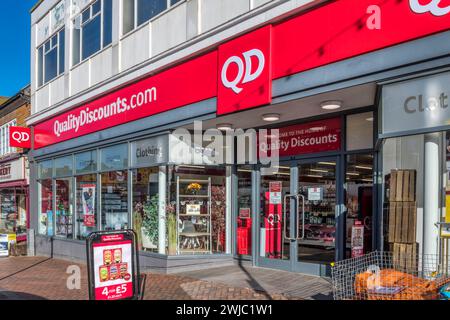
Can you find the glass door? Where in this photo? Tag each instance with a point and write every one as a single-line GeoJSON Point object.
{"type": "Point", "coordinates": [316, 214]}
{"type": "Point", "coordinates": [297, 220]}
{"type": "Point", "coordinates": [275, 219]}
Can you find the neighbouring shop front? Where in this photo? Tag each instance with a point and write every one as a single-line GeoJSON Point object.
{"type": "Point", "coordinates": [14, 195]}
{"type": "Point", "coordinates": [415, 155]}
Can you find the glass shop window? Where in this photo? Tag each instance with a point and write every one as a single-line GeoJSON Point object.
{"type": "Point", "coordinates": [360, 131]}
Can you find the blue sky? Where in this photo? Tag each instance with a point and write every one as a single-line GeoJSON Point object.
{"type": "Point", "coordinates": [15, 45]}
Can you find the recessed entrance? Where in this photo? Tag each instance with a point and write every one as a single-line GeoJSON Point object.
{"type": "Point", "coordinates": [297, 221]}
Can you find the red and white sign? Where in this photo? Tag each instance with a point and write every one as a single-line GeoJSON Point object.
{"type": "Point", "coordinates": [112, 269]}
{"type": "Point", "coordinates": [348, 28]}
{"type": "Point", "coordinates": [187, 83]}
{"type": "Point", "coordinates": [245, 72]}
{"type": "Point", "coordinates": [357, 243]}
{"type": "Point", "coordinates": [20, 137]}
{"type": "Point", "coordinates": [240, 72]}
{"type": "Point", "coordinates": [317, 136]}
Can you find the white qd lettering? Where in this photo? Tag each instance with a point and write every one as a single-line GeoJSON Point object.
{"type": "Point", "coordinates": [244, 74]}
{"type": "Point", "coordinates": [433, 7]}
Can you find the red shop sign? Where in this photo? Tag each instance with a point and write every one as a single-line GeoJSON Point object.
{"type": "Point", "coordinates": [187, 83]}
{"type": "Point", "coordinates": [20, 137]}
{"type": "Point", "coordinates": [312, 137]}
{"type": "Point", "coordinates": [347, 28]}
{"type": "Point", "coordinates": [245, 73]}
{"type": "Point", "coordinates": [240, 72]}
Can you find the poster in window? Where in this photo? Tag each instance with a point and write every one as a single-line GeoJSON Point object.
{"type": "Point", "coordinates": [275, 188]}
{"type": "Point", "coordinates": [88, 202]}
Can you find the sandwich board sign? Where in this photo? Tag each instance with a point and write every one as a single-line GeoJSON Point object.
{"type": "Point", "coordinates": [113, 267]}
{"type": "Point", "coordinates": [4, 245]}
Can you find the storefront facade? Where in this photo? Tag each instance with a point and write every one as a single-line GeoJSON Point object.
{"type": "Point", "coordinates": [14, 170]}
{"type": "Point", "coordinates": [104, 159]}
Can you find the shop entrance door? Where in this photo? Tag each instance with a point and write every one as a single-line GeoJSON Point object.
{"type": "Point", "coordinates": [298, 216]}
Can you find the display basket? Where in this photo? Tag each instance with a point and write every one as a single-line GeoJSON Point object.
{"type": "Point", "coordinates": [385, 276]}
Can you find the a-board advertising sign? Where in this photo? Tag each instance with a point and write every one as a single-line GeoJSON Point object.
{"type": "Point", "coordinates": [113, 267]}
{"type": "Point", "coordinates": [4, 245]}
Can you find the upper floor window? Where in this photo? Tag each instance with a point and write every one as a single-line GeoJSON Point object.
{"type": "Point", "coordinates": [137, 12]}
{"type": "Point", "coordinates": [92, 30]}
{"type": "Point", "coordinates": [4, 138]}
{"type": "Point", "coordinates": [51, 58]}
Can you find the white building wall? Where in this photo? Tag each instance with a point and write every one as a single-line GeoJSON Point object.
{"type": "Point", "coordinates": [188, 27]}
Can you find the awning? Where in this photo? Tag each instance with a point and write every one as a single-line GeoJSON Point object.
{"type": "Point", "coordinates": [14, 184]}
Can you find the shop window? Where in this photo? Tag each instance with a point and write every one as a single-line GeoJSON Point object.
{"type": "Point", "coordinates": [86, 162]}
{"type": "Point", "coordinates": [412, 167]}
{"type": "Point", "coordinates": [138, 12]}
{"type": "Point", "coordinates": [199, 203]}
{"type": "Point", "coordinates": [146, 208]}
{"type": "Point", "coordinates": [64, 208]}
{"type": "Point", "coordinates": [64, 166]}
{"type": "Point", "coordinates": [115, 157]}
{"type": "Point", "coordinates": [360, 131]}
{"type": "Point", "coordinates": [114, 200]}
{"type": "Point", "coordinates": [244, 214]}
{"type": "Point", "coordinates": [13, 211]}
{"type": "Point", "coordinates": [359, 199]}
{"type": "Point", "coordinates": [45, 169]}
{"type": "Point", "coordinates": [50, 58]}
{"type": "Point", "coordinates": [86, 202]}
{"type": "Point", "coordinates": [93, 30]}
{"type": "Point", "coordinates": [46, 207]}
{"type": "Point", "coordinates": [5, 148]}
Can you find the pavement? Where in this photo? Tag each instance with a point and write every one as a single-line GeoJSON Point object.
{"type": "Point", "coordinates": [36, 278]}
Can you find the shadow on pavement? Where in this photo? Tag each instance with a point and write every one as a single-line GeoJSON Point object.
{"type": "Point", "coordinates": [12, 295]}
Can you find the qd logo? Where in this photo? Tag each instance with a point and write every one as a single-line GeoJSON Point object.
{"type": "Point", "coordinates": [244, 73]}
{"type": "Point", "coordinates": [20, 137]}
{"type": "Point", "coordinates": [432, 7]}
{"type": "Point", "coordinates": [245, 68]}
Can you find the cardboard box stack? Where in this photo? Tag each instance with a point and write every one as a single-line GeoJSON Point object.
{"type": "Point", "coordinates": [403, 218]}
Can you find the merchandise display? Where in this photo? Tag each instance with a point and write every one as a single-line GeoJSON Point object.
{"type": "Point", "coordinates": [114, 200]}
{"type": "Point", "coordinates": [402, 207]}
{"type": "Point", "coordinates": [194, 216]}
{"type": "Point", "coordinates": [320, 217]}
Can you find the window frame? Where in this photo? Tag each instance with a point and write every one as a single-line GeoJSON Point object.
{"type": "Point", "coordinates": [60, 69]}
{"type": "Point", "coordinates": [92, 16]}
{"type": "Point", "coordinates": [136, 25]}
{"type": "Point", "coordinates": [5, 148]}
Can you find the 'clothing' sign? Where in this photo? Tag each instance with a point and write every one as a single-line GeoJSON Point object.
{"type": "Point", "coordinates": [416, 105]}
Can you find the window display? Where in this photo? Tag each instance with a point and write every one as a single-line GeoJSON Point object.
{"type": "Point", "coordinates": [13, 210]}
{"type": "Point", "coordinates": [114, 200]}
{"type": "Point", "coordinates": [64, 213]}
{"type": "Point", "coordinates": [244, 216]}
{"type": "Point", "coordinates": [197, 213]}
{"type": "Point", "coordinates": [146, 207]}
{"type": "Point", "coordinates": [359, 198]}
{"type": "Point", "coordinates": [194, 215]}
{"type": "Point", "coordinates": [86, 195]}
{"type": "Point", "coordinates": [46, 208]}
{"type": "Point", "coordinates": [414, 192]}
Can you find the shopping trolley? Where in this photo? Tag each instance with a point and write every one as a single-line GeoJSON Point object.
{"type": "Point", "coordinates": [385, 276]}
